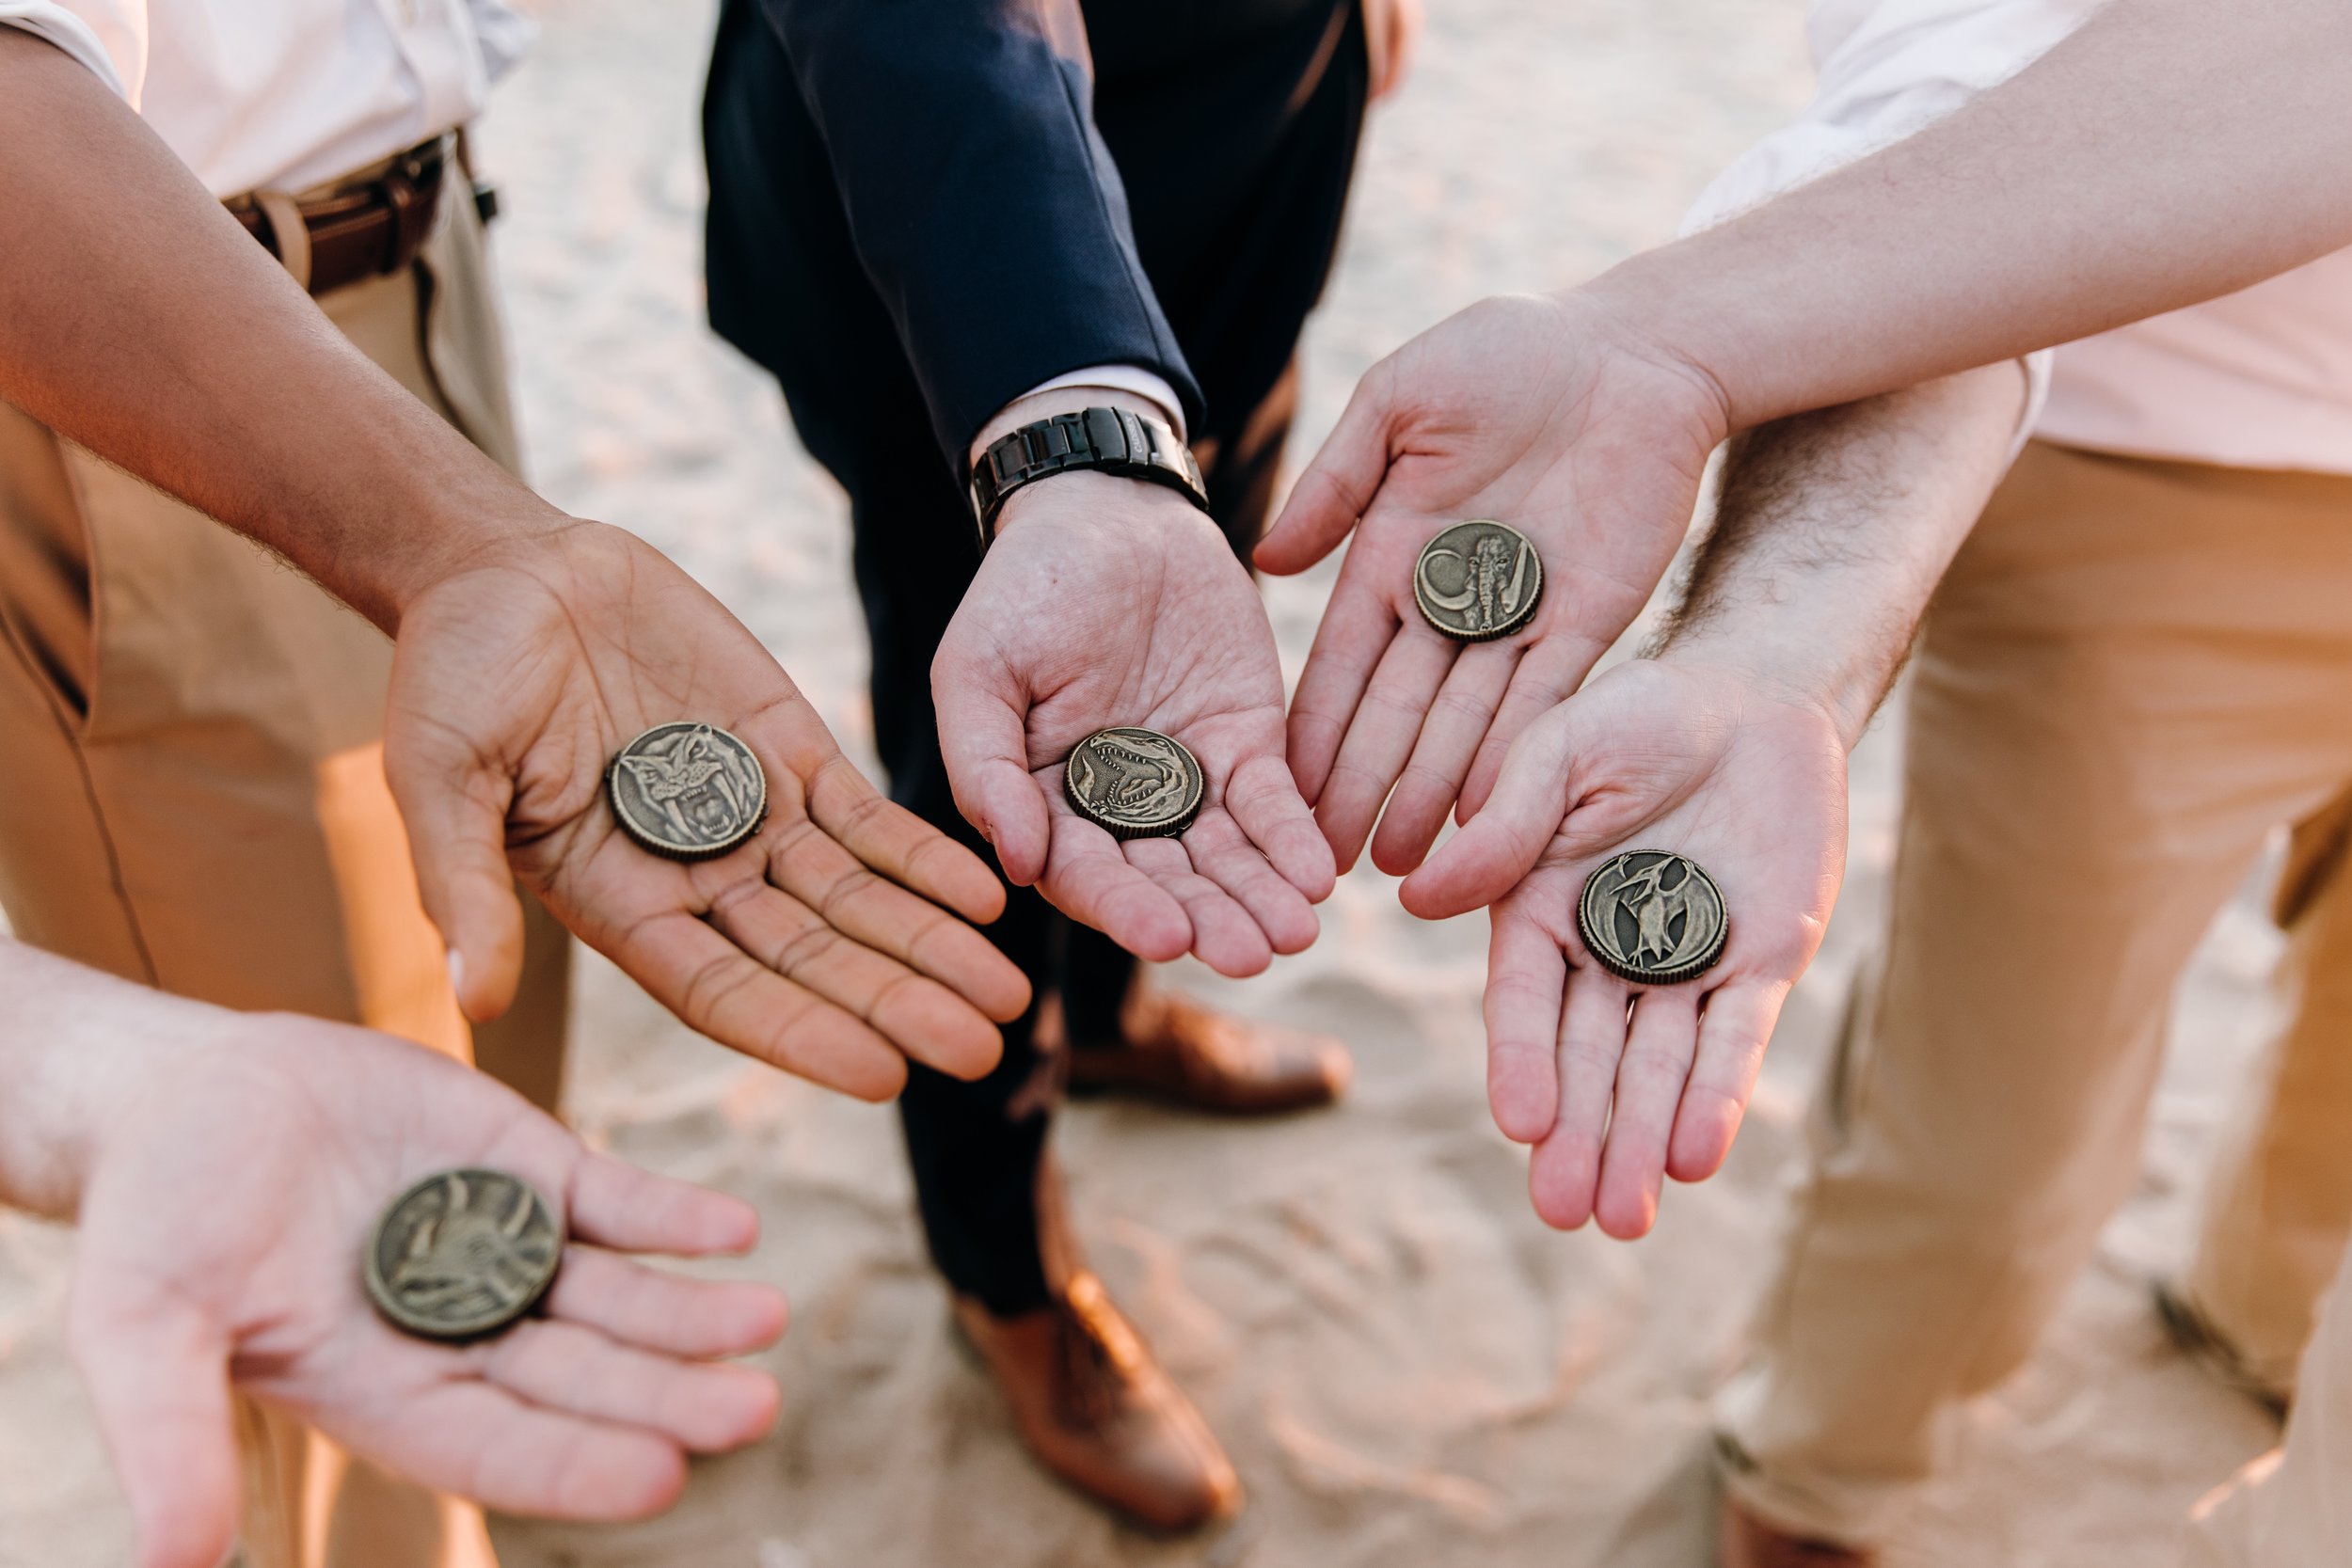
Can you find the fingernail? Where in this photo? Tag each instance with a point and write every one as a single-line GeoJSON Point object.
{"type": "Point", "coordinates": [458, 974]}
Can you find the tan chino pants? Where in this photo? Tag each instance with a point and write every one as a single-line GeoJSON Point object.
{"type": "Point", "coordinates": [2134, 671]}
{"type": "Point", "coordinates": [196, 800]}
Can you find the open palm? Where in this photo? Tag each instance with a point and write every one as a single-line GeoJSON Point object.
{"type": "Point", "coordinates": [826, 944]}
{"type": "Point", "coordinates": [1617, 1084]}
{"type": "Point", "coordinates": [221, 1235]}
{"type": "Point", "coordinates": [1527, 409]}
{"type": "Point", "coordinates": [1108, 602]}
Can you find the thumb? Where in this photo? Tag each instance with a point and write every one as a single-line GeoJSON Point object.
{"type": "Point", "coordinates": [1338, 486]}
{"type": "Point", "coordinates": [455, 811]}
{"type": "Point", "coordinates": [1501, 844]}
{"type": "Point", "coordinates": [158, 1382]}
{"type": "Point", "coordinates": [983, 739]}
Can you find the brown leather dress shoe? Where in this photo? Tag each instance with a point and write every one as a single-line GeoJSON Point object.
{"type": "Point", "coordinates": [1098, 1411]}
{"type": "Point", "coordinates": [1179, 1051]}
{"type": "Point", "coordinates": [1747, 1541]}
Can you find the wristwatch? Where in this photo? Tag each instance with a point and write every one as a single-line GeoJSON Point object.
{"type": "Point", "coordinates": [1110, 440]}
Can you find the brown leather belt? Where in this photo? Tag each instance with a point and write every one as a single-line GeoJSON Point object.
{"type": "Point", "coordinates": [370, 230]}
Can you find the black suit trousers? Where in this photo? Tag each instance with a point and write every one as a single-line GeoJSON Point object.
{"type": "Point", "coordinates": [1236, 165]}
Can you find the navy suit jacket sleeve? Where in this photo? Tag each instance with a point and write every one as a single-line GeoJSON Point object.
{"type": "Point", "coordinates": [983, 201]}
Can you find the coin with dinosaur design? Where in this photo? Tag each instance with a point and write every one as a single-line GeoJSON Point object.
{"type": "Point", "coordinates": [688, 791]}
{"type": "Point", "coordinates": [462, 1253]}
{"type": "Point", "coordinates": [1135, 782]}
{"type": "Point", "coordinates": [1652, 917]}
{"type": "Point", "coordinates": [1478, 581]}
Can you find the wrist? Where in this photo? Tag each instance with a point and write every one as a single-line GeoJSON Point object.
{"type": "Point", "coordinates": [1049, 402]}
{"type": "Point", "coordinates": [1842, 692]}
{"type": "Point", "coordinates": [1649, 329]}
{"type": "Point", "coordinates": [1093, 505]}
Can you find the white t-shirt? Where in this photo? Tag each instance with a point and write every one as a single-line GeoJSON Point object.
{"type": "Point", "coordinates": [286, 94]}
{"type": "Point", "coordinates": [2258, 379]}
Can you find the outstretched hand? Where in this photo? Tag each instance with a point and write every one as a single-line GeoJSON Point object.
{"type": "Point", "coordinates": [223, 1221]}
{"type": "Point", "coordinates": [1540, 412]}
{"type": "Point", "coordinates": [1108, 601]}
{"type": "Point", "coordinates": [828, 945]}
{"type": "Point", "coordinates": [1616, 1084]}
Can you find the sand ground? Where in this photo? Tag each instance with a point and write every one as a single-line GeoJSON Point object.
{"type": "Point", "coordinates": [1408, 1367]}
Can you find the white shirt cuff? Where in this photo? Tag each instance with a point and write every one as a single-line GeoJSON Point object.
{"type": "Point", "coordinates": [1124, 378]}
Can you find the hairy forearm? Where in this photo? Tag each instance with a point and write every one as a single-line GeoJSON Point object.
{"type": "Point", "coordinates": [2166, 152]}
{"type": "Point", "coordinates": [75, 1047]}
{"type": "Point", "coordinates": [140, 319]}
{"type": "Point", "coordinates": [1830, 533]}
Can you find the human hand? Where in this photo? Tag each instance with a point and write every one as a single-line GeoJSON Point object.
{"type": "Point", "coordinates": [1547, 412]}
{"type": "Point", "coordinates": [825, 945]}
{"type": "Point", "coordinates": [1391, 34]}
{"type": "Point", "coordinates": [1697, 758]}
{"type": "Point", "coordinates": [227, 1202]}
{"type": "Point", "coordinates": [1110, 601]}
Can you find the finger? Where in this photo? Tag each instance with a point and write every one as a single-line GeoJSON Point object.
{"type": "Point", "coordinates": [1357, 626]}
{"type": "Point", "coordinates": [900, 845]}
{"type": "Point", "coordinates": [1526, 976]}
{"type": "Point", "coordinates": [158, 1383]}
{"type": "Point", "coordinates": [668, 1313]}
{"type": "Point", "coordinates": [981, 738]}
{"type": "Point", "coordinates": [720, 990]}
{"type": "Point", "coordinates": [1545, 678]}
{"type": "Point", "coordinates": [1380, 737]}
{"type": "Point", "coordinates": [611, 1203]}
{"type": "Point", "coordinates": [1733, 1031]}
{"type": "Point", "coordinates": [921, 1017]}
{"type": "Point", "coordinates": [1456, 724]}
{"type": "Point", "coordinates": [1563, 1175]}
{"type": "Point", "coordinates": [1650, 1079]}
{"type": "Point", "coordinates": [454, 808]}
{"type": "Point", "coordinates": [1091, 881]}
{"type": "Point", "coordinates": [1220, 853]}
{"type": "Point", "coordinates": [1338, 486]}
{"type": "Point", "coordinates": [702, 1406]}
{"type": "Point", "coordinates": [1223, 935]}
{"type": "Point", "coordinates": [827, 877]}
{"type": "Point", "coordinates": [1265, 803]}
{"type": "Point", "coordinates": [1499, 845]}
{"type": "Point", "coordinates": [481, 1441]}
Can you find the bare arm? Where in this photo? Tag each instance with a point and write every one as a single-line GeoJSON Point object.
{"type": "Point", "coordinates": [2165, 153]}
{"type": "Point", "coordinates": [150, 328]}
{"type": "Point", "coordinates": [1728, 745]}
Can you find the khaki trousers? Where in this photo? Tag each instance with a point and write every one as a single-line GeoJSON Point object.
{"type": "Point", "coordinates": [196, 800]}
{"type": "Point", "coordinates": [2134, 671]}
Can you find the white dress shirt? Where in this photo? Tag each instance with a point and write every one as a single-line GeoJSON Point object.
{"type": "Point", "coordinates": [286, 94]}
{"type": "Point", "coordinates": [2258, 379]}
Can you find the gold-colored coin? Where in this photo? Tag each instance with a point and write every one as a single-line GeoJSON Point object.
{"type": "Point", "coordinates": [1653, 917]}
{"type": "Point", "coordinates": [1478, 581]}
{"type": "Point", "coordinates": [687, 791]}
{"type": "Point", "coordinates": [462, 1253]}
{"type": "Point", "coordinates": [1136, 783]}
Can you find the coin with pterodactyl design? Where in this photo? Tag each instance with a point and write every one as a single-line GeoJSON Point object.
{"type": "Point", "coordinates": [1478, 581]}
{"type": "Point", "coordinates": [1136, 783]}
{"type": "Point", "coordinates": [462, 1253]}
{"type": "Point", "coordinates": [688, 791]}
{"type": "Point", "coordinates": [1653, 917]}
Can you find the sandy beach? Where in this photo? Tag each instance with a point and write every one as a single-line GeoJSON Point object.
{"type": "Point", "coordinates": [1409, 1369]}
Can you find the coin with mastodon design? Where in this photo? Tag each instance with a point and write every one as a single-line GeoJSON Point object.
{"type": "Point", "coordinates": [1478, 581]}
{"type": "Point", "coordinates": [1653, 917]}
{"type": "Point", "coordinates": [1135, 782]}
{"type": "Point", "coordinates": [462, 1253]}
{"type": "Point", "coordinates": [686, 790]}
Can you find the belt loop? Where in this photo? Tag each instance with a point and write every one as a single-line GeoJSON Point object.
{"type": "Point", "coordinates": [289, 233]}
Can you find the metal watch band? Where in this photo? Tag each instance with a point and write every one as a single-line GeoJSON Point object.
{"type": "Point", "coordinates": [1110, 441]}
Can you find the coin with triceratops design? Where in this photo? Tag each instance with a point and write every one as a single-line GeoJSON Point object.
{"type": "Point", "coordinates": [1136, 783]}
{"type": "Point", "coordinates": [463, 1253]}
{"type": "Point", "coordinates": [1652, 917]}
{"type": "Point", "coordinates": [1478, 581]}
{"type": "Point", "coordinates": [688, 791]}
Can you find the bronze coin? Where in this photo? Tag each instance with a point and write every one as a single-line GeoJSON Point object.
{"type": "Point", "coordinates": [1653, 917]}
{"type": "Point", "coordinates": [1136, 783]}
{"type": "Point", "coordinates": [462, 1253]}
{"type": "Point", "coordinates": [1478, 581]}
{"type": "Point", "coordinates": [688, 791]}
